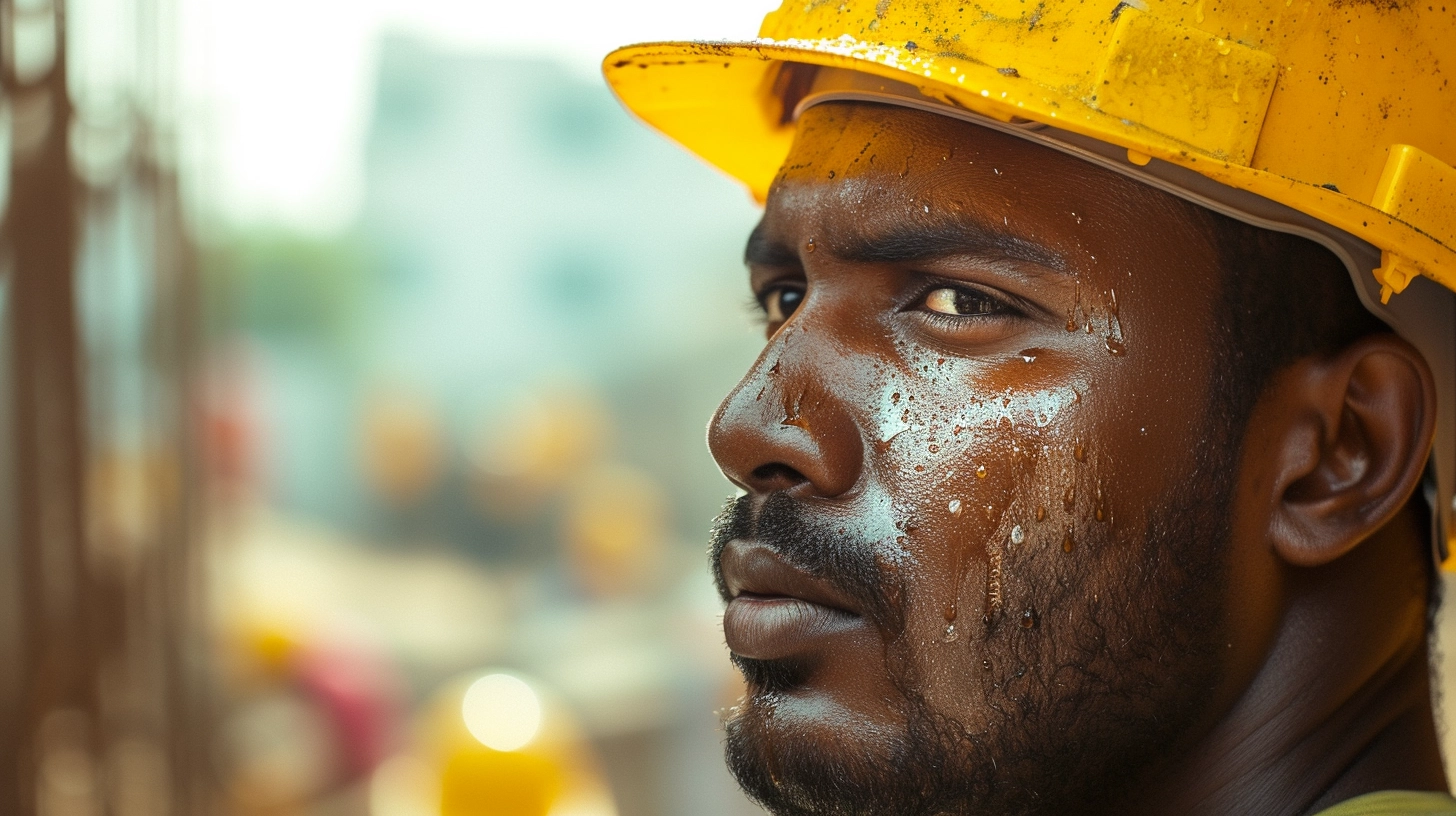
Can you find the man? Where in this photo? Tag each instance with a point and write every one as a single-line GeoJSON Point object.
{"type": "Point", "coordinates": [1076, 475]}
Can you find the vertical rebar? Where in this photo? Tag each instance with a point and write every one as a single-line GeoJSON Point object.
{"type": "Point", "coordinates": [51, 741]}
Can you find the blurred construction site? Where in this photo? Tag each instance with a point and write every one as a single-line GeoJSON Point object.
{"type": "Point", "coordinates": [356, 359]}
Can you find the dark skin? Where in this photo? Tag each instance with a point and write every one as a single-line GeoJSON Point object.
{"type": "Point", "coordinates": [992, 360]}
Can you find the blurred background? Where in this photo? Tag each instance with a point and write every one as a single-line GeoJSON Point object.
{"type": "Point", "coordinates": [356, 362]}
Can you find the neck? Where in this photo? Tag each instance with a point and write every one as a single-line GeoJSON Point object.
{"type": "Point", "coordinates": [1341, 704]}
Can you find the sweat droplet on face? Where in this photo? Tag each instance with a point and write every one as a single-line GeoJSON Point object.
{"type": "Point", "coordinates": [954, 507]}
{"type": "Point", "coordinates": [981, 472]}
{"type": "Point", "coordinates": [1017, 536]}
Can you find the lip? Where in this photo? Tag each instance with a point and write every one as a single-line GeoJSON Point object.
{"type": "Point", "coordinates": [776, 610]}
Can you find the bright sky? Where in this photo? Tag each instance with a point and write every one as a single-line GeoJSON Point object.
{"type": "Point", "coordinates": [277, 91]}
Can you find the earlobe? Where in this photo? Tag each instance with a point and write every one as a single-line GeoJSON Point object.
{"type": "Point", "coordinates": [1355, 434]}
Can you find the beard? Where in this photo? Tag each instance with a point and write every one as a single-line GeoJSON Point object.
{"type": "Point", "coordinates": [1075, 714]}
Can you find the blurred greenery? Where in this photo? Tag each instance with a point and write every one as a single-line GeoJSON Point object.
{"type": "Point", "coordinates": [285, 287]}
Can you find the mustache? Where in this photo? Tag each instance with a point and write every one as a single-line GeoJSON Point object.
{"type": "Point", "coordinates": [825, 552]}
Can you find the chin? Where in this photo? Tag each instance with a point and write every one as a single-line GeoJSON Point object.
{"type": "Point", "coordinates": [796, 764]}
{"type": "Point", "coordinates": [798, 749]}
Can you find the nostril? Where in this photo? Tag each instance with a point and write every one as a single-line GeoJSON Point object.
{"type": "Point", "coordinates": [777, 476]}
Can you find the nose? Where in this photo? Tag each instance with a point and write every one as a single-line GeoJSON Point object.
{"type": "Point", "coordinates": [783, 428]}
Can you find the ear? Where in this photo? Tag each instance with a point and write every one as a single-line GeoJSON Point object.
{"type": "Point", "coordinates": [1354, 432]}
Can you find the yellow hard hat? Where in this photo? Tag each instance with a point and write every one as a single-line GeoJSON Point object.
{"type": "Point", "coordinates": [1330, 119]}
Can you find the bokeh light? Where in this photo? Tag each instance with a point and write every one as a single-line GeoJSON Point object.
{"type": "Point", "coordinates": [502, 711]}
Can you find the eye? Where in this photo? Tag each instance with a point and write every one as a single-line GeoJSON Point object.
{"type": "Point", "coordinates": [780, 302]}
{"type": "Point", "coordinates": [949, 300]}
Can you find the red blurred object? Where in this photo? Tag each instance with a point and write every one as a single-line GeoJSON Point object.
{"type": "Point", "coordinates": [362, 698]}
{"type": "Point", "coordinates": [230, 426]}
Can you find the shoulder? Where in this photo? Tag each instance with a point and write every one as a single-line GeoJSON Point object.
{"type": "Point", "coordinates": [1396, 803]}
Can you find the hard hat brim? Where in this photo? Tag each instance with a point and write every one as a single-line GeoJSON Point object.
{"type": "Point", "coordinates": [722, 101]}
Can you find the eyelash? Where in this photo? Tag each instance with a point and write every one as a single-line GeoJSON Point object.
{"type": "Point", "coordinates": [756, 308]}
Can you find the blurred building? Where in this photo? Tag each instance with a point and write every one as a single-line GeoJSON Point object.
{"type": "Point", "coordinates": [519, 229]}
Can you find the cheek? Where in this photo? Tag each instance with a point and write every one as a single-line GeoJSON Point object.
{"type": "Point", "coordinates": [984, 478]}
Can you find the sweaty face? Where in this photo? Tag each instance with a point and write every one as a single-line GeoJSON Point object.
{"type": "Point", "coordinates": [979, 565]}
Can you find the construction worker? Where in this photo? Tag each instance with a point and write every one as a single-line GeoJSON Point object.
{"type": "Point", "coordinates": [1101, 455]}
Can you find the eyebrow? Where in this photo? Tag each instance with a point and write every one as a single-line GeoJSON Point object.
{"type": "Point", "coordinates": [765, 251]}
{"type": "Point", "coordinates": [908, 243]}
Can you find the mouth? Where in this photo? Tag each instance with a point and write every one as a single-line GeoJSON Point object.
{"type": "Point", "coordinates": [776, 610]}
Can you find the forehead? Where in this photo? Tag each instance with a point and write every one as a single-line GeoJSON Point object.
{"type": "Point", "coordinates": [869, 160]}
{"type": "Point", "coordinates": [859, 169]}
